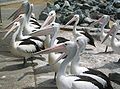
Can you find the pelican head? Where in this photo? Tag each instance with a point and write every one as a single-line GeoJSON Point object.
{"type": "Point", "coordinates": [51, 29]}
{"type": "Point", "coordinates": [51, 18]}
{"type": "Point", "coordinates": [24, 8]}
{"type": "Point", "coordinates": [102, 21]}
{"type": "Point", "coordinates": [114, 27]}
{"type": "Point", "coordinates": [75, 18]}
{"type": "Point", "coordinates": [66, 48]}
{"type": "Point", "coordinates": [21, 16]}
{"type": "Point", "coordinates": [15, 25]}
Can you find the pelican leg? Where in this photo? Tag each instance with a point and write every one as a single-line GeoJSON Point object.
{"type": "Point", "coordinates": [34, 73]}
{"type": "Point", "coordinates": [24, 61]}
{"type": "Point", "coordinates": [54, 80]}
{"type": "Point", "coordinates": [55, 76]}
{"type": "Point", "coordinates": [106, 49]}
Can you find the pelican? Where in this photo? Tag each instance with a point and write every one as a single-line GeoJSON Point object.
{"type": "Point", "coordinates": [77, 69]}
{"type": "Point", "coordinates": [71, 81]}
{"type": "Point", "coordinates": [75, 32]}
{"type": "Point", "coordinates": [103, 22]}
{"type": "Point", "coordinates": [25, 47]}
{"type": "Point", "coordinates": [49, 42]}
{"type": "Point", "coordinates": [22, 48]}
{"type": "Point", "coordinates": [30, 22]}
{"type": "Point", "coordinates": [33, 22]}
{"type": "Point", "coordinates": [38, 40]}
{"type": "Point", "coordinates": [115, 44]}
{"type": "Point", "coordinates": [88, 37]}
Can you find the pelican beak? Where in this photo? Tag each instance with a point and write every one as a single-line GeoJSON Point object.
{"type": "Point", "coordinates": [110, 32]}
{"type": "Point", "coordinates": [43, 31]}
{"type": "Point", "coordinates": [23, 9]}
{"type": "Point", "coordinates": [17, 12]}
{"type": "Point", "coordinates": [48, 20]}
{"type": "Point", "coordinates": [10, 24]}
{"type": "Point", "coordinates": [13, 27]}
{"type": "Point", "coordinates": [73, 19]}
{"type": "Point", "coordinates": [57, 48]}
{"type": "Point", "coordinates": [100, 21]}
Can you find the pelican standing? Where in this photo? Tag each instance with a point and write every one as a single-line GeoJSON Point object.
{"type": "Point", "coordinates": [25, 47]}
{"type": "Point", "coordinates": [39, 40]}
{"type": "Point", "coordinates": [115, 44]}
{"type": "Point", "coordinates": [65, 81]}
{"type": "Point", "coordinates": [103, 22]}
{"type": "Point", "coordinates": [22, 48]}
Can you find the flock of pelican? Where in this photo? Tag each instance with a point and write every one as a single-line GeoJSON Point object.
{"type": "Point", "coordinates": [30, 38]}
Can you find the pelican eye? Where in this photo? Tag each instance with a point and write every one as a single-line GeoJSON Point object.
{"type": "Point", "coordinates": [20, 16]}
{"type": "Point", "coordinates": [77, 40]}
{"type": "Point", "coordinates": [15, 23]}
{"type": "Point", "coordinates": [52, 24]}
{"type": "Point", "coordinates": [65, 44]}
{"type": "Point", "coordinates": [51, 14]}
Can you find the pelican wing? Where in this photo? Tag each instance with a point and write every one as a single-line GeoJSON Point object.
{"type": "Point", "coordinates": [28, 46]}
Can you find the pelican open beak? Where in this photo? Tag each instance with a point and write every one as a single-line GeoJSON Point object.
{"type": "Point", "coordinates": [48, 20]}
{"type": "Point", "coordinates": [13, 27]}
{"type": "Point", "coordinates": [112, 30]}
{"type": "Point", "coordinates": [23, 9]}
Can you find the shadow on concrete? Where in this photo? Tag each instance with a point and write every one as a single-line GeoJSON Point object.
{"type": "Point", "coordinates": [111, 65]}
{"type": "Point", "coordinates": [15, 67]}
{"type": "Point", "coordinates": [44, 85]}
{"type": "Point", "coordinates": [39, 70]}
{"type": "Point", "coordinates": [43, 69]}
{"type": "Point", "coordinates": [100, 53]}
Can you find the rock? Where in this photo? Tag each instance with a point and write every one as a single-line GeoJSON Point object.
{"type": "Point", "coordinates": [93, 9]}
{"type": "Point", "coordinates": [43, 15]}
{"type": "Point", "coordinates": [102, 5]}
{"type": "Point", "coordinates": [116, 4]}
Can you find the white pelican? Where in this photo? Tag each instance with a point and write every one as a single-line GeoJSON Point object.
{"type": "Point", "coordinates": [71, 81]}
{"type": "Point", "coordinates": [22, 48]}
{"type": "Point", "coordinates": [49, 42]}
{"type": "Point", "coordinates": [23, 8]}
{"type": "Point", "coordinates": [115, 44]}
{"type": "Point", "coordinates": [77, 69]}
{"type": "Point", "coordinates": [31, 24]}
{"type": "Point", "coordinates": [25, 47]}
{"type": "Point", "coordinates": [88, 37]}
{"type": "Point", "coordinates": [103, 22]}
{"type": "Point", "coordinates": [38, 40]}
{"type": "Point", "coordinates": [75, 32]}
